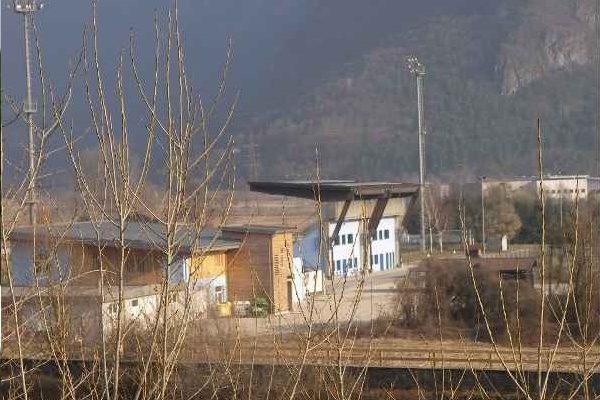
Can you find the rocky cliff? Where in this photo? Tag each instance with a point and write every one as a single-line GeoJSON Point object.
{"type": "Point", "coordinates": [552, 35]}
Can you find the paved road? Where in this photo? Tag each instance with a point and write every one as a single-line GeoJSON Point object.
{"type": "Point", "coordinates": [376, 296]}
{"type": "Point", "coordinates": [345, 300]}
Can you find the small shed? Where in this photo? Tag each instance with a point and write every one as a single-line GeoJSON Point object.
{"type": "Point", "coordinates": [263, 266]}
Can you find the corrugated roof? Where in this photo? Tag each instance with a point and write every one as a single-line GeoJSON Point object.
{"type": "Point", "coordinates": [137, 235]}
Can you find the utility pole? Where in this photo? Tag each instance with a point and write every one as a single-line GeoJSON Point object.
{"type": "Point", "coordinates": [28, 8]}
{"type": "Point", "coordinates": [482, 215]}
{"type": "Point", "coordinates": [253, 159]}
{"type": "Point", "coordinates": [418, 70]}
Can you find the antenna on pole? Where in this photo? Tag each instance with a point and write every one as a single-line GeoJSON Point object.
{"type": "Point", "coordinates": [418, 70]}
{"type": "Point", "coordinates": [28, 8]}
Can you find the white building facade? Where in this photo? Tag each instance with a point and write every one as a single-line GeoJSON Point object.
{"type": "Point", "coordinates": [383, 246]}
{"type": "Point", "coordinates": [569, 187]}
{"type": "Point", "coordinates": [348, 251]}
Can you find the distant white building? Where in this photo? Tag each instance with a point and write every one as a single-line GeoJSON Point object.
{"type": "Point", "coordinates": [357, 226]}
{"type": "Point", "coordinates": [554, 186]}
{"type": "Point", "coordinates": [569, 187]}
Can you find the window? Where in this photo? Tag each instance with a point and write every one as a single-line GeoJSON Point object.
{"type": "Point", "coordinates": [350, 238]}
{"type": "Point", "coordinates": [376, 259]}
{"type": "Point", "coordinates": [386, 234]}
{"type": "Point", "coordinates": [343, 239]}
{"type": "Point", "coordinates": [355, 262]}
{"type": "Point", "coordinates": [219, 294]}
{"type": "Point", "coordinates": [380, 235]}
{"type": "Point", "coordinates": [374, 236]}
{"type": "Point", "coordinates": [43, 261]}
{"type": "Point", "coordinates": [336, 242]}
{"type": "Point", "coordinates": [338, 265]}
{"type": "Point", "coordinates": [134, 303]}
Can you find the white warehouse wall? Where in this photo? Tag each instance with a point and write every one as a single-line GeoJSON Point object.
{"type": "Point", "coordinates": [383, 248]}
{"type": "Point", "coordinates": [346, 256]}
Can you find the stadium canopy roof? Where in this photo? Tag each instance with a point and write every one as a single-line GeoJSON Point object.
{"type": "Point", "coordinates": [337, 190]}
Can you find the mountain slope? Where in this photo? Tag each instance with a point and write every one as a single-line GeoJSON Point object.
{"type": "Point", "coordinates": [480, 118]}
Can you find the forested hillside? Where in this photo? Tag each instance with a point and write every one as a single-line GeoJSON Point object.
{"type": "Point", "coordinates": [331, 75]}
{"type": "Point", "coordinates": [491, 72]}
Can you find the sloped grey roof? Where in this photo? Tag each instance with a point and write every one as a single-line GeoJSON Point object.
{"type": "Point", "coordinates": [137, 235]}
{"type": "Point", "coordinates": [266, 229]}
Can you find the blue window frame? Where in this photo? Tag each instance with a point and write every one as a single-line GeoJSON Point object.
{"type": "Point", "coordinates": [338, 265]}
{"type": "Point", "coordinates": [386, 234]}
{"type": "Point", "coordinates": [343, 239]}
{"type": "Point", "coordinates": [380, 235]}
{"type": "Point", "coordinates": [376, 259]}
{"type": "Point", "coordinates": [350, 238]}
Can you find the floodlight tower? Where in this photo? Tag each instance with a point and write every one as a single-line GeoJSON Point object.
{"type": "Point", "coordinates": [28, 8]}
{"type": "Point", "coordinates": [418, 70]}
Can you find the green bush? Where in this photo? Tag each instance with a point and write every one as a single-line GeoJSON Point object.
{"type": "Point", "coordinates": [260, 306]}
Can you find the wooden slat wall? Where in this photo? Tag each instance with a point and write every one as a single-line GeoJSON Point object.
{"type": "Point", "coordinates": [249, 268]}
{"type": "Point", "coordinates": [208, 265]}
{"type": "Point", "coordinates": [84, 264]}
{"type": "Point", "coordinates": [282, 253]}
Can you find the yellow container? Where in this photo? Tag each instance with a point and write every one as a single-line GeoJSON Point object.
{"type": "Point", "coordinates": [224, 309]}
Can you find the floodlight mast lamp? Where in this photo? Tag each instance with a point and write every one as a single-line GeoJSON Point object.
{"type": "Point", "coordinates": [418, 70]}
{"type": "Point", "coordinates": [28, 8]}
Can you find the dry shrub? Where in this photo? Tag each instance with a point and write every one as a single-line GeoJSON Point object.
{"type": "Point", "coordinates": [449, 299]}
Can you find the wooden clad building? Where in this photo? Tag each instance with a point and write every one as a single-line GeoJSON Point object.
{"type": "Point", "coordinates": [263, 265]}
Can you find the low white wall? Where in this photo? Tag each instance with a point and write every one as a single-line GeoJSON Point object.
{"type": "Point", "coordinates": [313, 281]}
{"type": "Point", "coordinates": [142, 310]}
